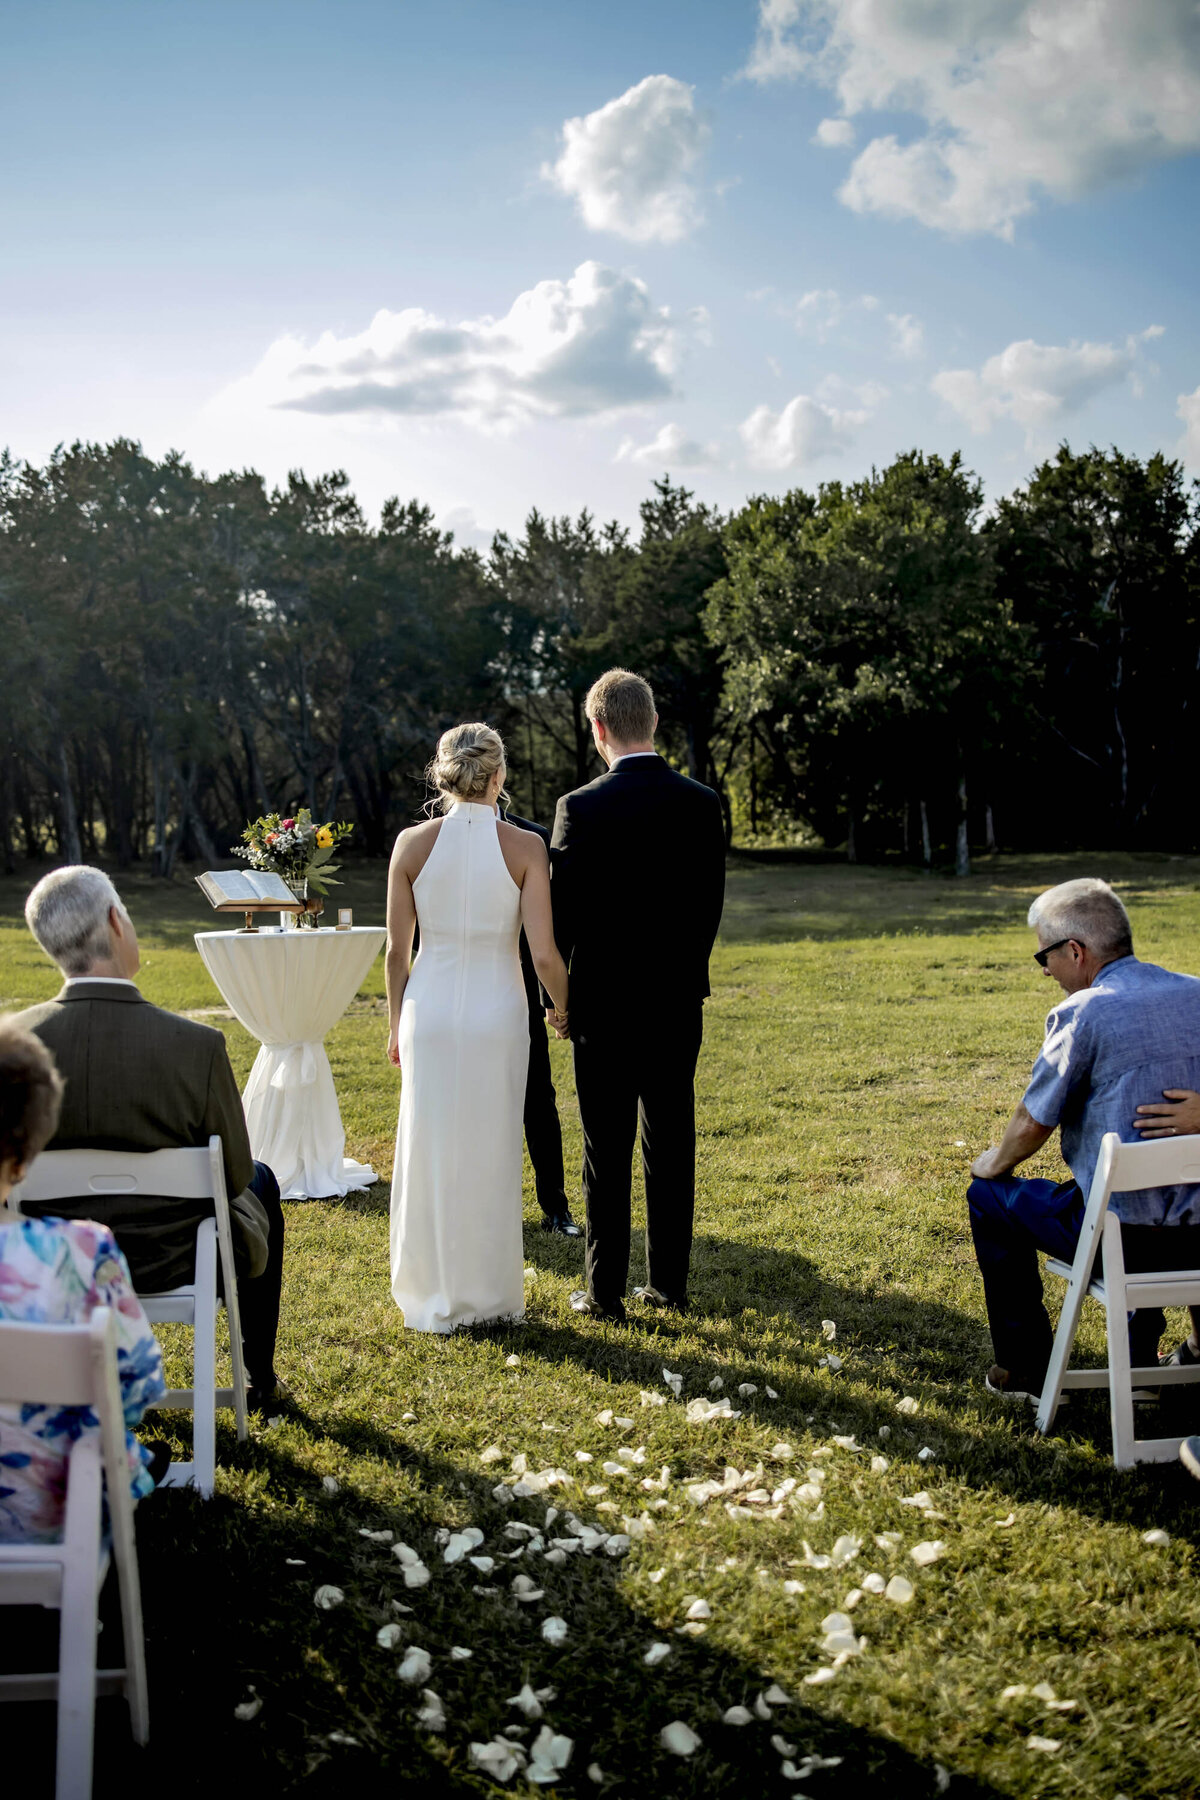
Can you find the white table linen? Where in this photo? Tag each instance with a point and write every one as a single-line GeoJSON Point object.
{"type": "Point", "coordinates": [288, 989]}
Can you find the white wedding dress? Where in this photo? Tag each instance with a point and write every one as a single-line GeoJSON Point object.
{"type": "Point", "coordinates": [457, 1252]}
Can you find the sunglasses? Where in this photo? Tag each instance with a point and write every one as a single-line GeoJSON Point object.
{"type": "Point", "coordinates": [1042, 957]}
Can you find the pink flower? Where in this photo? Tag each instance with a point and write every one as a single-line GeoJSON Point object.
{"type": "Point", "coordinates": [287, 824]}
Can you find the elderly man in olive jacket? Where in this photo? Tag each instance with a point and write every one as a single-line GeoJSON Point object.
{"type": "Point", "coordinates": [140, 1078]}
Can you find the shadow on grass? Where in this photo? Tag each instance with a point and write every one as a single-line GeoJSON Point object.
{"type": "Point", "coordinates": [320, 1673]}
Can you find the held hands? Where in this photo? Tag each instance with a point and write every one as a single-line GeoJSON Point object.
{"type": "Point", "coordinates": [1176, 1115]}
{"type": "Point", "coordinates": [558, 1022]}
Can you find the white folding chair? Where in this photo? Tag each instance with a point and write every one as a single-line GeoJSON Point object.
{"type": "Point", "coordinates": [76, 1365]}
{"type": "Point", "coordinates": [1122, 1168]}
{"type": "Point", "coordinates": [197, 1174]}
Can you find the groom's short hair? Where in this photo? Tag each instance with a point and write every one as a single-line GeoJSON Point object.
{"type": "Point", "coordinates": [624, 705]}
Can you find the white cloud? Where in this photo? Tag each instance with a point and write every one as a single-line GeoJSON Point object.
{"type": "Point", "coordinates": [1188, 408]}
{"type": "Point", "coordinates": [804, 432]}
{"type": "Point", "coordinates": [1036, 384]}
{"type": "Point", "coordinates": [1016, 98]}
{"type": "Point", "coordinates": [834, 134]}
{"type": "Point", "coordinates": [671, 448]}
{"type": "Point", "coordinates": [908, 335]}
{"type": "Point", "coordinates": [818, 313]}
{"type": "Point", "coordinates": [469, 534]}
{"type": "Point", "coordinates": [592, 344]}
{"type": "Point", "coordinates": [629, 166]}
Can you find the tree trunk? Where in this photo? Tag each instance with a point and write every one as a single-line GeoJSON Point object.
{"type": "Point", "coordinates": [926, 843]}
{"type": "Point", "coordinates": [962, 854]}
{"type": "Point", "coordinates": [989, 828]}
{"type": "Point", "coordinates": [70, 847]}
{"type": "Point", "coordinates": [159, 849]}
{"type": "Point", "coordinates": [851, 850]}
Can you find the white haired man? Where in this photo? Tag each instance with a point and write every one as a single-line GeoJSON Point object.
{"type": "Point", "coordinates": [139, 1078]}
{"type": "Point", "coordinates": [1124, 1029]}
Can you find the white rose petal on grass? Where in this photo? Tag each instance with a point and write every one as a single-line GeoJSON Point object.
{"type": "Point", "coordinates": [762, 1710]}
{"type": "Point", "coordinates": [432, 1715]}
{"type": "Point", "coordinates": [832, 1363]}
{"type": "Point", "coordinates": [819, 1676]}
{"type": "Point", "coordinates": [656, 1575]}
{"type": "Point", "coordinates": [770, 1393]}
{"type": "Point", "coordinates": [409, 1418]}
{"type": "Point", "coordinates": [885, 1432]}
{"type": "Point", "coordinates": [699, 1609]}
{"type": "Point", "coordinates": [605, 1417]}
{"type": "Point", "coordinates": [624, 1424]}
{"type": "Point", "coordinates": [527, 1702]}
{"type": "Point", "coordinates": [873, 1584]}
{"type": "Point", "coordinates": [525, 1590]}
{"type": "Point", "coordinates": [928, 1552]}
{"type": "Point", "coordinates": [1046, 1745]}
{"type": "Point", "coordinates": [828, 1331]}
{"type": "Point", "coordinates": [922, 1501]}
{"type": "Point", "coordinates": [1158, 1538]}
{"type": "Point", "coordinates": [879, 1465]}
{"type": "Point", "coordinates": [655, 1654]}
{"type": "Point", "coordinates": [747, 1390]}
{"type": "Point", "coordinates": [296, 1562]}
{"type": "Point", "coordinates": [925, 1454]}
{"type": "Point", "coordinates": [782, 1453]}
{"type": "Point", "coordinates": [648, 1399]}
{"type": "Point", "coordinates": [416, 1667]}
{"type": "Point", "coordinates": [793, 1587]}
{"type": "Point", "coordinates": [781, 1746]}
{"type": "Point", "coordinates": [595, 1773]}
{"type": "Point", "coordinates": [716, 1384]}
{"type": "Point", "coordinates": [388, 1636]}
{"type": "Point", "coordinates": [492, 1454]}
{"type": "Point", "coordinates": [673, 1381]}
{"type": "Point", "coordinates": [496, 1759]}
{"type": "Point", "coordinates": [460, 1653]}
{"type": "Point", "coordinates": [376, 1537]}
{"type": "Point", "coordinates": [549, 1756]}
{"type": "Point", "coordinates": [737, 1715]}
{"type": "Point", "coordinates": [327, 1597]}
{"type": "Point", "coordinates": [679, 1739]}
{"type": "Point", "coordinates": [512, 1362]}
{"type": "Point", "coordinates": [485, 1564]}
{"type": "Point", "coordinates": [329, 1483]}
{"type": "Point", "coordinates": [908, 1405]}
{"type": "Point", "coordinates": [899, 1589]}
{"type": "Point", "coordinates": [1017, 1692]}
{"type": "Point", "coordinates": [249, 1709]}
{"type": "Point", "coordinates": [554, 1630]}
{"type": "Point", "coordinates": [845, 1550]}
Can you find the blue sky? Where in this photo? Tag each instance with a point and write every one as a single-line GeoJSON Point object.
{"type": "Point", "coordinates": [498, 255]}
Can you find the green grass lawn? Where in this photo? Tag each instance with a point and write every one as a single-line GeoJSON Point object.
{"type": "Point", "coordinates": [869, 1031]}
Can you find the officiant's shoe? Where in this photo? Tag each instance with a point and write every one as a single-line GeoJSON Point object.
{"type": "Point", "coordinates": [563, 1225]}
{"type": "Point", "coordinates": [658, 1301]}
{"type": "Point", "coordinates": [583, 1303]}
{"type": "Point", "coordinates": [270, 1400]}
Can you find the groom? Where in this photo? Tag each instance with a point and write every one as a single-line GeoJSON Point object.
{"type": "Point", "coordinates": [638, 881]}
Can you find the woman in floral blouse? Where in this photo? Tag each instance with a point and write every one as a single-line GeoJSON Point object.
{"type": "Point", "coordinates": [58, 1271]}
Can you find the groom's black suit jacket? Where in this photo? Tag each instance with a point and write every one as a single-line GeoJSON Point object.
{"type": "Point", "coordinates": [638, 882]}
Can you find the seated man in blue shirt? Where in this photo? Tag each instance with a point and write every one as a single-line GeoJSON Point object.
{"type": "Point", "coordinates": [1125, 1030]}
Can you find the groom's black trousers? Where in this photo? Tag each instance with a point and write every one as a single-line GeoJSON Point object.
{"type": "Point", "coordinates": [645, 1079]}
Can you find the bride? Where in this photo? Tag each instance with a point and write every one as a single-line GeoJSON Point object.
{"type": "Point", "coordinates": [459, 1032]}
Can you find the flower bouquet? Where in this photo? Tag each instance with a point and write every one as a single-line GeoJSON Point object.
{"type": "Point", "coordinates": [298, 850]}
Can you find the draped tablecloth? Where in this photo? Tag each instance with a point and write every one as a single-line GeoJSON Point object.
{"type": "Point", "coordinates": [289, 988]}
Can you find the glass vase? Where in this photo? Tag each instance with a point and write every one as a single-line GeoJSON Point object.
{"type": "Point", "coordinates": [302, 921]}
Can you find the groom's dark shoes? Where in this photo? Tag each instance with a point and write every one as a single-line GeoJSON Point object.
{"type": "Point", "coordinates": [658, 1301]}
{"type": "Point", "coordinates": [592, 1309]}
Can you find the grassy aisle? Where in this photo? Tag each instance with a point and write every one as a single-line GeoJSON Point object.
{"type": "Point", "coordinates": [868, 1031]}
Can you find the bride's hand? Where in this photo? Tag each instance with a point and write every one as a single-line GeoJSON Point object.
{"type": "Point", "coordinates": [393, 1048]}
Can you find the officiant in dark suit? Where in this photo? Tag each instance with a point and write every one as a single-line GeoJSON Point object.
{"type": "Point", "coordinates": [140, 1078]}
{"type": "Point", "coordinates": [543, 1132]}
{"type": "Point", "coordinates": [638, 883]}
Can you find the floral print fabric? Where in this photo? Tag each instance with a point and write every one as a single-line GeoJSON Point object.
{"type": "Point", "coordinates": [57, 1272]}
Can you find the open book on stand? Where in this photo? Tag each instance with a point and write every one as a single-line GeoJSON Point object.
{"type": "Point", "coordinates": [248, 891]}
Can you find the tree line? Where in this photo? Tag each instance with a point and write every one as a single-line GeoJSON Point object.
{"type": "Point", "coordinates": [884, 665]}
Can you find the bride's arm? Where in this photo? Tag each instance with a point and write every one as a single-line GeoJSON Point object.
{"type": "Point", "coordinates": [538, 924]}
{"type": "Point", "coordinates": [401, 923]}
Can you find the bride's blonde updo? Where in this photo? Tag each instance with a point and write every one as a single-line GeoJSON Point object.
{"type": "Point", "coordinates": [464, 762]}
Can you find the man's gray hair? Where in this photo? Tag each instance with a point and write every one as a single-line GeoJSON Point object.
{"type": "Point", "coordinates": [67, 913]}
{"type": "Point", "coordinates": [1086, 910]}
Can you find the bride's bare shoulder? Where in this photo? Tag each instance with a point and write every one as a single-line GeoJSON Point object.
{"type": "Point", "coordinates": [412, 847]}
{"type": "Point", "coordinates": [518, 842]}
